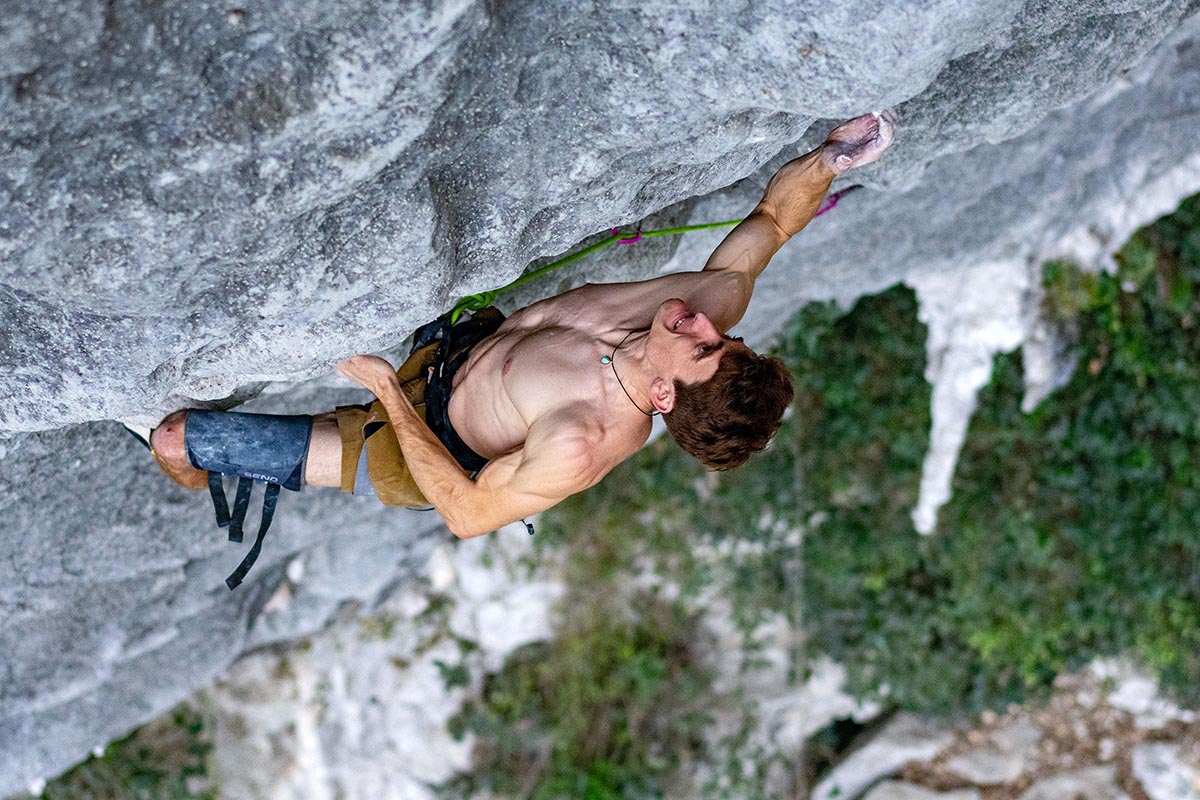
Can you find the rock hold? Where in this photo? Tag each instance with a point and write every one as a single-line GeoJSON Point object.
{"type": "Point", "coordinates": [897, 790]}
{"type": "Point", "coordinates": [905, 738]}
{"type": "Point", "coordinates": [1003, 760]}
{"type": "Point", "coordinates": [1163, 774]}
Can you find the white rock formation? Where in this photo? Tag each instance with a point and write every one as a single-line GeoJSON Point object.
{"type": "Point", "coordinates": [1138, 693]}
{"type": "Point", "coordinates": [971, 316]}
{"type": "Point", "coordinates": [1090, 783]}
{"type": "Point", "coordinates": [898, 790]}
{"type": "Point", "coordinates": [978, 312]}
{"type": "Point", "coordinates": [1008, 753]}
{"type": "Point", "coordinates": [1163, 774]}
{"type": "Point", "coordinates": [360, 711]}
{"type": "Point", "coordinates": [905, 738]}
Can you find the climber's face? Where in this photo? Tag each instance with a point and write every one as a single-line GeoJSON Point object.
{"type": "Point", "coordinates": [685, 345]}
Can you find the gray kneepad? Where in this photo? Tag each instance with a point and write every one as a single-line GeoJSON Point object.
{"type": "Point", "coordinates": [251, 447]}
{"type": "Point", "coordinates": [261, 447]}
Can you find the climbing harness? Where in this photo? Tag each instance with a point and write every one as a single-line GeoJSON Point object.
{"type": "Point", "coordinates": [454, 343]}
{"type": "Point", "coordinates": [476, 302]}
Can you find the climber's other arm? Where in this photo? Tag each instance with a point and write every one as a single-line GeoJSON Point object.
{"type": "Point", "coordinates": [556, 461]}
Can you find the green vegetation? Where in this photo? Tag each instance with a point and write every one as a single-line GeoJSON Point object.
{"type": "Point", "coordinates": [611, 721]}
{"type": "Point", "coordinates": [609, 709]}
{"type": "Point", "coordinates": [1073, 532]}
{"type": "Point", "coordinates": [164, 760]}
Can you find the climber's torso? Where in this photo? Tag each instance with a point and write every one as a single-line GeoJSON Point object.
{"type": "Point", "coordinates": [545, 361]}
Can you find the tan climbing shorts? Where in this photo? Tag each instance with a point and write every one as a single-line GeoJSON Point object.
{"type": "Point", "coordinates": [392, 480]}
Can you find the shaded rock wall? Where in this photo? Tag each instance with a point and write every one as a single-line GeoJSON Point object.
{"type": "Point", "coordinates": [197, 200]}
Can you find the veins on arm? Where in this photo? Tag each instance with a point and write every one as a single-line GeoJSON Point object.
{"type": "Point", "coordinates": [528, 481]}
{"type": "Point", "coordinates": [789, 203]}
{"type": "Point", "coordinates": [560, 456]}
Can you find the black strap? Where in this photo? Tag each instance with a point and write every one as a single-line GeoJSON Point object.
{"type": "Point", "coordinates": [437, 408]}
{"type": "Point", "coordinates": [270, 497]}
{"type": "Point", "coordinates": [218, 497]}
{"type": "Point", "coordinates": [241, 504]}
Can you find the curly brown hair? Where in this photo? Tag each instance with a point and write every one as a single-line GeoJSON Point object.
{"type": "Point", "coordinates": [733, 414]}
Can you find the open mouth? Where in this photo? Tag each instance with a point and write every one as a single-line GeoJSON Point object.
{"type": "Point", "coordinates": [679, 320]}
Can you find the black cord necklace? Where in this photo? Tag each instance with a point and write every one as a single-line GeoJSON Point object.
{"type": "Point", "coordinates": [610, 360]}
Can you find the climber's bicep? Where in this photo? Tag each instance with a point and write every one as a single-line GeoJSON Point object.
{"type": "Point", "coordinates": [722, 296]}
{"type": "Point", "coordinates": [550, 467]}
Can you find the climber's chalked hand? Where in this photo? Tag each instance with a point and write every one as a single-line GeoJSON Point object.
{"type": "Point", "coordinates": [859, 141]}
{"type": "Point", "coordinates": [370, 372]}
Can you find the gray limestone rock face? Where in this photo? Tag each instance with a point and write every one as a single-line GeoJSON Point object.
{"type": "Point", "coordinates": [204, 203]}
{"type": "Point", "coordinates": [898, 790]}
{"type": "Point", "coordinates": [195, 198]}
{"type": "Point", "coordinates": [111, 590]}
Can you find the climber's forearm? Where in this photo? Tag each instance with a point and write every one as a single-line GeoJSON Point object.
{"type": "Point", "coordinates": [434, 470]}
{"type": "Point", "coordinates": [791, 200]}
{"type": "Point", "coordinates": [794, 194]}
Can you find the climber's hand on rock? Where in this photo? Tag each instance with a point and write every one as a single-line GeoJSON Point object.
{"type": "Point", "coordinates": [371, 372]}
{"type": "Point", "coordinates": [859, 141]}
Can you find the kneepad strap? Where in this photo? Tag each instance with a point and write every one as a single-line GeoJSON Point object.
{"type": "Point", "coordinates": [251, 447]}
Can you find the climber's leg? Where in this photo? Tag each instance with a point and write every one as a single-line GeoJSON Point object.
{"type": "Point", "coordinates": [167, 445]}
{"type": "Point", "coordinates": [322, 464]}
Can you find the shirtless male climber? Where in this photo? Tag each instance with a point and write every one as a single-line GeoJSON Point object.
{"type": "Point", "coordinates": [550, 400]}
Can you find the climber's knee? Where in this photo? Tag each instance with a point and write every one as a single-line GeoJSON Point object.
{"type": "Point", "coordinates": [167, 438]}
{"type": "Point", "coordinates": [167, 443]}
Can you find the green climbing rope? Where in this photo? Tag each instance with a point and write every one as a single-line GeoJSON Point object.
{"type": "Point", "coordinates": [475, 302]}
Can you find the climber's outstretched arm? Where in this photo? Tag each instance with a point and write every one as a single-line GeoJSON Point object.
{"type": "Point", "coordinates": [791, 200]}
{"type": "Point", "coordinates": [793, 196]}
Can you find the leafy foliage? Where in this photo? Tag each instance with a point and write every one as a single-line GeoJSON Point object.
{"type": "Point", "coordinates": [1071, 532]}
{"type": "Point", "coordinates": [1082, 516]}
{"type": "Point", "coordinates": [609, 709]}
{"type": "Point", "coordinates": [164, 760]}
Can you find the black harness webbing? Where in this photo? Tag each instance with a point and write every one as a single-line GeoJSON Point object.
{"type": "Point", "coordinates": [455, 341]}
{"type": "Point", "coordinates": [218, 497]}
{"type": "Point", "coordinates": [271, 449]}
{"type": "Point", "coordinates": [270, 498]}
{"type": "Point", "coordinates": [234, 522]}
{"type": "Point", "coordinates": [287, 470]}
{"type": "Point", "coordinates": [241, 504]}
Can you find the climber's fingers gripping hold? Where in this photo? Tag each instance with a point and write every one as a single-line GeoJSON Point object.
{"type": "Point", "coordinates": [371, 372]}
{"type": "Point", "coordinates": [859, 141]}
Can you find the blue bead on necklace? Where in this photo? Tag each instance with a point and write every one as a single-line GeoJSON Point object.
{"type": "Point", "coordinates": [607, 360]}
